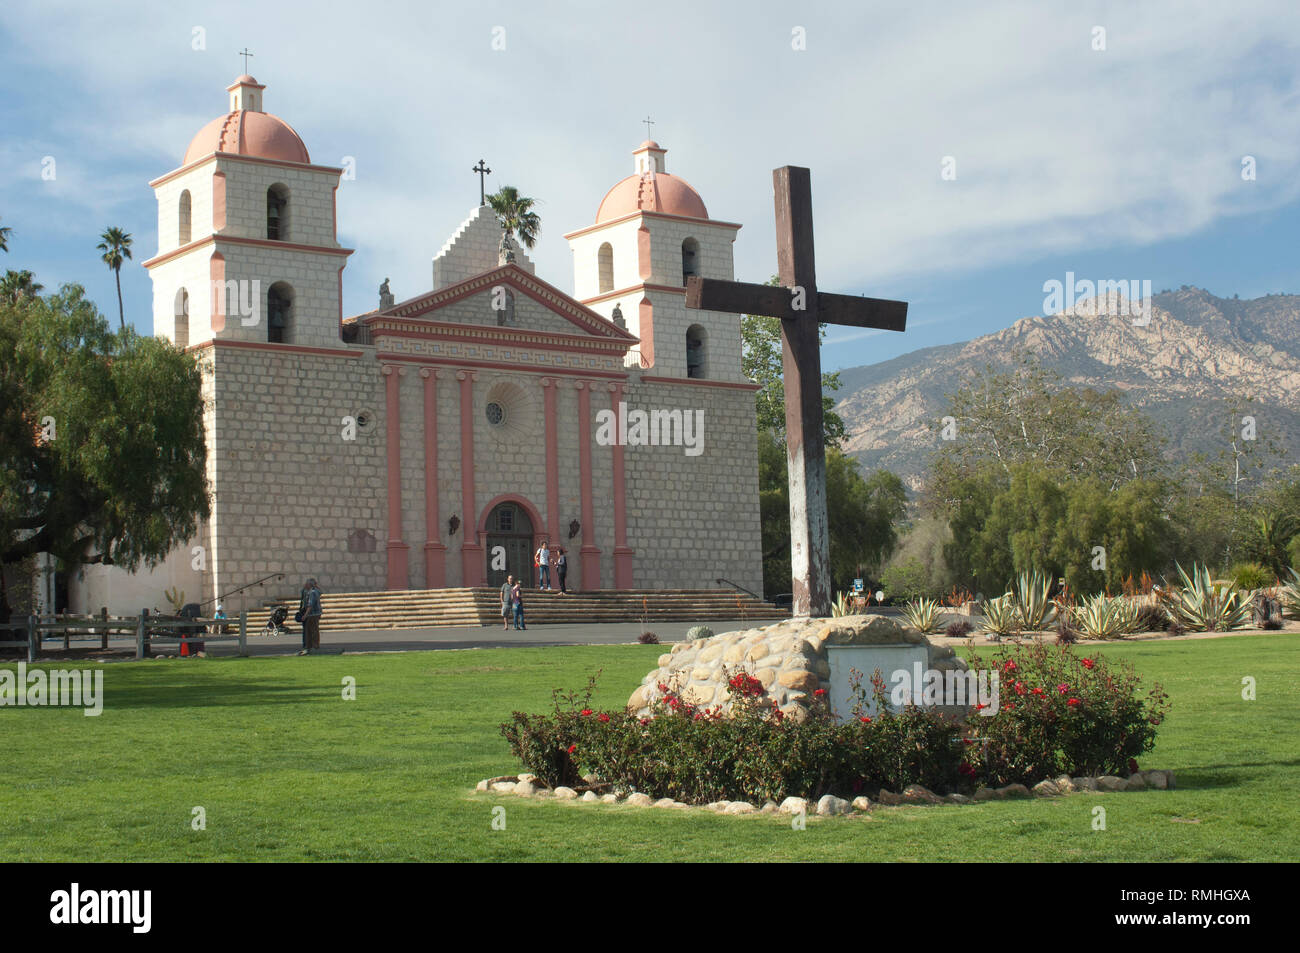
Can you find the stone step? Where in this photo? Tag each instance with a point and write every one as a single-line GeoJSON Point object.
{"type": "Point", "coordinates": [400, 609]}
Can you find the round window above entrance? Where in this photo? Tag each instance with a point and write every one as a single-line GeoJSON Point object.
{"type": "Point", "coordinates": [496, 414]}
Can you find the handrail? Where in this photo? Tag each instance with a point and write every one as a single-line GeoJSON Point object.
{"type": "Point", "coordinates": [274, 575]}
{"type": "Point", "coordinates": [733, 585]}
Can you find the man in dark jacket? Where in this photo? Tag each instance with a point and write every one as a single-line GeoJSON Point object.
{"type": "Point", "coordinates": [311, 614]}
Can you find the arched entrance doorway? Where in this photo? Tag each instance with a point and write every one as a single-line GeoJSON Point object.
{"type": "Point", "coordinates": [510, 528]}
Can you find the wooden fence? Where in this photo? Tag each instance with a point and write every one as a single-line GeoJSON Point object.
{"type": "Point", "coordinates": [146, 629]}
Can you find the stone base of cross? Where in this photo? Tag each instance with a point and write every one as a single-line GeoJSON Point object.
{"type": "Point", "coordinates": [802, 309]}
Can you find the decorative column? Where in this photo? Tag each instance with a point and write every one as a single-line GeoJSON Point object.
{"type": "Point", "coordinates": [590, 551]}
{"type": "Point", "coordinates": [435, 553]}
{"type": "Point", "coordinates": [550, 387]}
{"type": "Point", "coordinates": [473, 572]}
{"type": "Point", "coordinates": [622, 553]}
{"type": "Point", "coordinates": [397, 550]}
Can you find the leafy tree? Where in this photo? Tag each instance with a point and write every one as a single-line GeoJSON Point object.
{"type": "Point", "coordinates": [1027, 415]}
{"type": "Point", "coordinates": [101, 439]}
{"type": "Point", "coordinates": [116, 246]}
{"type": "Point", "coordinates": [515, 213]}
{"type": "Point", "coordinates": [5, 232]}
{"type": "Point", "coordinates": [19, 284]}
{"type": "Point", "coordinates": [1042, 521]}
{"type": "Point", "coordinates": [761, 362]}
{"type": "Point", "coordinates": [862, 514]}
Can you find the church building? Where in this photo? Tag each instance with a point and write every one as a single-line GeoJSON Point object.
{"type": "Point", "coordinates": [435, 441]}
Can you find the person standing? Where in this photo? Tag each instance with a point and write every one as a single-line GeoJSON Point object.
{"type": "Point", "coordinates": [311, 617]}
{"type": "Point", "coordinates": [543, 561]}
{"type": "Point", "coordinates": [507, 602]}
{"type": "Point", "coordinates": [301, 616]}
{"type": "Point", "coordinates": [517, 600]}
{"type": "Point", "coordinates": [562, 568]}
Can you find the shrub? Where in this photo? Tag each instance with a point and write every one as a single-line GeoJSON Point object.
{"type": "Point", "coordinates": [1067, 633]}
{"type": "Point", "coordinates": [696, 755]}
{"type": "Point", "coordinates": [648, 638]}
{"type": "Point", "coordinates": [958, 628]}
{"type": "Point", "coordinates": [1204, 607]}
{"type": "Point", "coordinates": [698, 632]}
{"type": "Point", "coordinates": [1061, 713]}
{"type": "Point", "coordinates": [1151, 618]}
{"type": "Point", "coordinates": [1057, 712]}
{"type": "Point", "coordinates": [923, 615]}
{"type": "Point", "coordinates": [1249, 576]}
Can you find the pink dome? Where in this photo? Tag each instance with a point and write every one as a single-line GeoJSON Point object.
{"type": "Point", "coordinates": [255, 134]}
{"type": "Point", "coordinates": [658, 193]}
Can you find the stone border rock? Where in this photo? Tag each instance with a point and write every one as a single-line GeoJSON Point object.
{"type": "Point", "coordinates": [526, 785]}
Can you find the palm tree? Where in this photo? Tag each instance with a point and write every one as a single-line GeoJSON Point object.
{"type": "Point", "coordinates": [116, 245]}
{"type": "Point", "coordinates": [4, 238]}
{"type": "Point", "coordinates": [515, 213]}
{"type": "Point", "coordinates": [16, 285]}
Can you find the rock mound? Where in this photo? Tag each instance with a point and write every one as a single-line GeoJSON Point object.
{"type": "Point", "coordinates": [789, 658]}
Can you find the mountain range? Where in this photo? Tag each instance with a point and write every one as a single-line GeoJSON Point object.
{"type": "Point", "coordinates": [1197, 357]}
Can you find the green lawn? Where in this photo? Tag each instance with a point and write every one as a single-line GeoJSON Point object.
{"type": "Point", "coordinates": [287, 770]}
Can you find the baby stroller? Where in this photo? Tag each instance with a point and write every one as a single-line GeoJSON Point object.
{"type": "Point", "coordinates": [275, 624]}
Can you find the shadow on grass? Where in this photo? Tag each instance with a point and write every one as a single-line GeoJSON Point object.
{"type": "Point", "coordinates": [188, 694]}
{"type": "Point", "coordinates": [1223, 775]}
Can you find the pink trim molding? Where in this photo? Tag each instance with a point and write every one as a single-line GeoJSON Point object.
{"type": "Point", "coordinates": [473, 570]}
{"type": "Point", "coordinates": [549, 398]}
{"type": "Point", "coordinates": [435, 553]}
{"type": "Point", "coordinates": [398, 576]}
{"type": "Point", "coordinates": [590, 552]}
{"type": "Point", "coordinates": [622, 553]}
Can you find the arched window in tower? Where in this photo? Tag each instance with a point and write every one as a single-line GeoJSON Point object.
{"type": "Point", "coordinates": [697, 353]}
{"type": "Point", "coordinates": [690, 259]}
{"type": "Point", "coordinates": [277, 213]}
{"type": "Point", "coordinates": [279, 313]}
{"type": "Point", "coordinates": [605, 264]}
{"type": "Point", "coordinates": [181, 332]}
{"type": "Point", "coordinates": [504, 307]}
{"type": "Point", "coordinates": [183, 219]}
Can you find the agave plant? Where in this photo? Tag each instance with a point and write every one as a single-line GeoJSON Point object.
{"type": "Point", "coordinates": [1035, 609]}
{"type": "Point", "coordinates": [1289, 595]}
{"type": "Point", "coordinates": [923, 615]}
{"type": "Point", "coordinates": [841, 606]}
{"type": "Point", "coordinates": [1204, 607]}
{"type": "Point", "coordinates": [1000, 615]}
{"type": "Point", "coordinates": [1106, 617]}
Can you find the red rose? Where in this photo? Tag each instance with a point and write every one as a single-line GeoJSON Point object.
{"type": "Point", "coordinates": [586, 712]}
{"type": "Point", "coordinates": [1072, 702]}
{"type": "Point", "coordinates": [1063, 688]}
{"type": "Point", "coordinates": [602, 717]}
{"type": "Point", "coordinates": [866, 720]}
{"type": "Point", "coordinates": [572, 748]}
{"type": "Point", "coordinates": [820, 692]}
{"type": "Point", "coordinates": [1088, 663]}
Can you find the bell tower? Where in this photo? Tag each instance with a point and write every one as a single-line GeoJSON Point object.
{"type": "Point", "coordinates": [652, 232]}
{"type": "Point", "coordinates": [248, 248]}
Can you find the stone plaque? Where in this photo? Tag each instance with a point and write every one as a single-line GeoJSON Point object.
{"type": "Point", "coordinates": [843, 659]}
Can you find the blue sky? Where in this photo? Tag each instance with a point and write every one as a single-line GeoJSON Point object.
{"type": "Point", "coordinates": [1122, 162]}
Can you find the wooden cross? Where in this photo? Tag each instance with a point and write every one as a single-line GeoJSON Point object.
{"type": "Point", "coordinates": [482, 170]}
{"type": "Point", "coordinates": [802, 309]}
{"type": "Point", "coordinates": [245, 54]}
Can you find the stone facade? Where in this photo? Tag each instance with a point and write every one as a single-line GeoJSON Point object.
{"type": "Point", "coordinates": [370, 453]}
